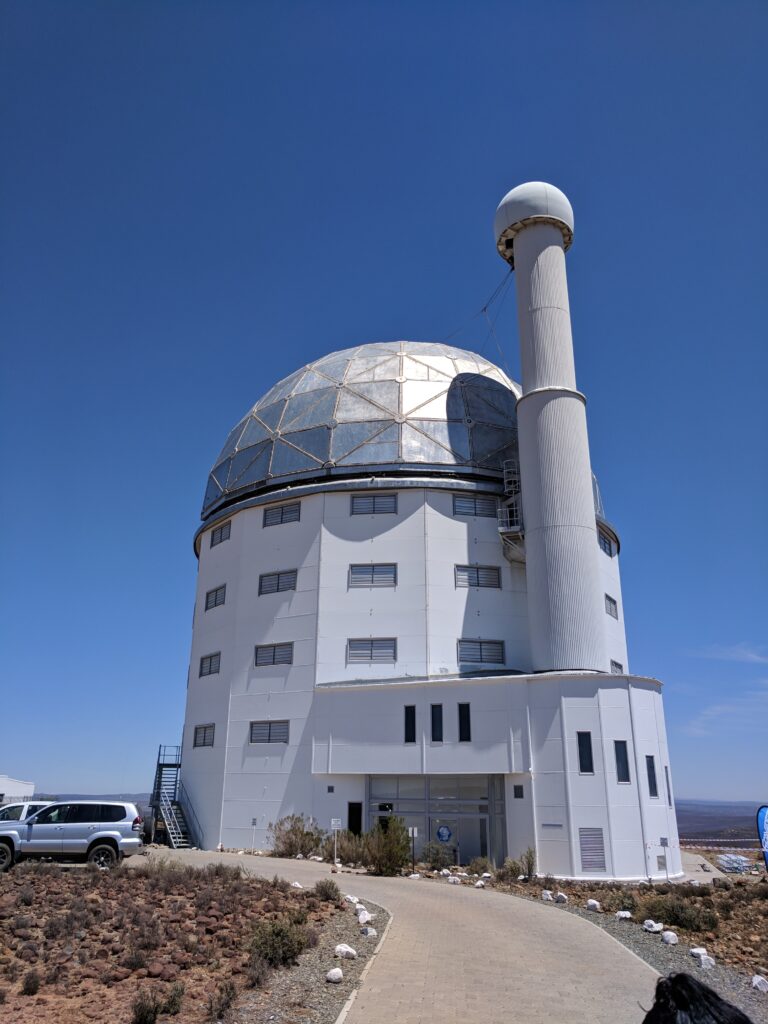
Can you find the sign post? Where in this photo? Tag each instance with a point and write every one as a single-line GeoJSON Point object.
{"type": "Point", "coordinates": [254, 822]}
{"type": "Point", "coordinates": [413, 832]}
{"type": "Point", "coordinates": [335, 827]}
{"type": "Point", "coordinates": [665, 846]}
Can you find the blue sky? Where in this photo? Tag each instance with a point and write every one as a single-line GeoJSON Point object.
{"type": "Point", "coordinates": [197, 198]}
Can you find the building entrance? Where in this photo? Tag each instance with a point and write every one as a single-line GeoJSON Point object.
{"type": "Point", "coordinates": [464, 813]}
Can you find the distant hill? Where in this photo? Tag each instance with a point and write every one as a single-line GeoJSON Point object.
{"type": "Point", "coordinates": [134, 798]}
{"type": "Point", "coordinates": [716, 819]}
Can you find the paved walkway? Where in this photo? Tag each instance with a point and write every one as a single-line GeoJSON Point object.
{"type": "Point", "coordinates": [457, 955]}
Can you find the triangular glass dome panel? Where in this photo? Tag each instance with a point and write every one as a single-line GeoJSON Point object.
{"type": "Point", "coordinates": [255, 471]}
{"type": "Point", "coordinates": [347, 436]}
{"type": "Point", "coordinates": [287, 459]}
{"type": "Point", "coordinates": [385, 393]}
{"type": "Point", "coordinates": [315, 442]}
{"type": "Point", "coordinates": [453, 435]}
{"type": "Point", "coordinates": [270, 414]}
{"type": "Point", "coordinates": [253, 433]}
{"type": "Point", "coordinates": [310, 409]}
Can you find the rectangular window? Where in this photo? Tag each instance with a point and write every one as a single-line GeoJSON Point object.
{"type": "Point", "coordinates": [586, 763]}
{"type": "Point", "coordinates": [474, 505]}
{"type": "Point", "coordinates": [203, 736]}
{"type": "Point", "coordinates": [269, 732]}
{"type": "Point", "coordinates": [372, 649]}
{"type": "Point", "coordinates": [465, 726]}
{"type": "Point", "coordinates": [592, 848]}
{"type": "Point", "coordinates": [373, 504]}
{"type": "Point", "coordinates": [669, 789]}
{"type": "Point", "coordinates": [279, 514]}
{"type": "Point", "coordinates": [383, 574]}
{"type": "Point", "coordinates": [517, 792]}
{"type": "Point", "coordinates": [437, 723]}
{"type": "Point", "coordinates": [274, 582]}
{"type": "Point", "coordinates": [410, 723]}
{"type": "Point", "coordinates": [611, 607]}
{"type": "Point", "coordinates": [605, 542]}
{"type": "Point", "coordinates": [220, 533]}
{"type": "Point", "coordinates": [210, 664]}
{"type": "Point", "coordinates": [483, 651]}
{"type": "Point", "coordinates": [650, 764]}
{"type": "Point", "coordinates": [622, 760]}
{"type": "Point", "coordinates": [477, 576]}
{"type": "Point", "coordinates": [274, 654]}
{"type": "Point", "coordinates": [617, 668]}
{"type": "Point", "coordinates": [215, 597]}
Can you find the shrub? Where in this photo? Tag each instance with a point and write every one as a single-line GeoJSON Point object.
{"type": "Point", "coordinates": [387, 846]}
{"type": "Point", "coordinates": [479, 865]}
{"type": "Point", "coordinates": [31, 984]}
{"type": "Point", "coordinates": [26, 897]}
{"type": "Point", "coordinates": [548, 882]}
{"type": "Point", "coordinates": [146, 1008]}
{"type": "Point", "coordinates": [172, 1004]}
{"type": "Point", "coordinates": [2, 996]}
{"type": "Point", "coordinates": [438, 855]}
{"type": "Point", "coordinates": [528, 860]}
{"type": "Point", "coordinates": [328, 891]}
{"type": "Point", "coordinates": [509, 871]}
{"type": "Point", "coordinates": [350, 849]}
{"type": "Point", "coordinates": [294, 834]}
{"type": "Point", "coordinates": [221, 1000]}
{"type": "Point", "coordinates": [278, 942]}
{"type": "Point", "coordinates": [256, 970]}
{"type": "Point", "coordinates": [677, 910]}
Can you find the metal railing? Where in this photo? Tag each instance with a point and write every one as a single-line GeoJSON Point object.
{"type": "Point", "coordinates": [510, 518]}
{"type": "Point", "coordinates": [193, 824]}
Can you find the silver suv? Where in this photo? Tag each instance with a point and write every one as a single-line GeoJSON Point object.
{"type": "Point", "coordinates": [99, 832]}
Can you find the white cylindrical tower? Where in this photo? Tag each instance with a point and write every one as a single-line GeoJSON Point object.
{"type": "Point", "coordinates": [533, 228]}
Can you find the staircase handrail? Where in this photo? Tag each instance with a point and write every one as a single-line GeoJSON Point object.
{"type": "Point", "coordinates": [195, 829]}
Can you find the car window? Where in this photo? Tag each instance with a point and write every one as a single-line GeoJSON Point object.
{"type": "Point", "coordinates": [53, 815]}
{"type": "Point", "coordinates": [34, 808]}
{"type": "Point", "coordinates": [80, 813]}
{"type": "Point", "coordinates": [12, 813]}
{"type": "Point", "coordinates": [112, 812]}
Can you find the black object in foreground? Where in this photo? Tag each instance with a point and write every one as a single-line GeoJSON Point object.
{"type": "Point", "coordinates": [681, 999]}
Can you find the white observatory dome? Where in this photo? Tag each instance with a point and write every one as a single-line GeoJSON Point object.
{"type": "Point", "coordinates": [393, 407]}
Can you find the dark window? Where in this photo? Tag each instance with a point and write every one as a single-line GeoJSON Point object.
{"type": "Point", "coordinates": [274, 582]}
{"type": "Point", "coordinates": [210, 664]}
{"type": "Point", "coordinates": [81, 813]}
{"type": "Point", "coordinates": [331, 789]}
{"type": "Point", "coordinates": [203, 736]}
{"type": "Point", "coordinates": [517, 792]}
{"type": "Point", "coordinates": [669, 790]}
{"type": "Point", "coordinates": [465, 725]}
{"type": "Point", "coordinates": [437, 723]}
{"type": "Point", "coordinates": [383, 574]}
{"type": "Point", "coordinates": [489, 651]}
{"type": "Point", "coordinates": [650, 765]}
{"type": "Point", "coordinates": [410, 723]}
{"type": "Point", "coordinates": [622, 760]}
{"type": "Point", "coordinates": [355, 818]}
{"type": "Point", "coordinates": [13, 813]}
{"type": "Point", "coordinates": [477, 576]}
{"type": "Point", "coordinates": [269, 732]}
{"type": "Point", "coordinates": [215, 597]}
{"type": "Point", "coordinates": [110, 812]}
{"type": "Point", "coordinates": [279, 514]}
{"type": "Point", "coordinates": [586, 764]}
{"type": "Point", "coordinates": [34, 808]}
{"type": "Point", "coordinates": [274, 654]}
{"type": "Point", "coordinates": [611, 607]}
{"type": "Point", "coordinates": [605, 542]}
{"type": "Point", "coordinates": [474, 505]}
{"type": "Point", "coordinates": [221, 533]}
{"type": "Point", "coordinates": [373, 504]}
{"type": "Point", "coordinates": [617, 668]}
{"type": "Point", "coordinates": [372, 649]}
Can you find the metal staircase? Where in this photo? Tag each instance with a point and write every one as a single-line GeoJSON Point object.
{"type": "Point", "coordinates": [165, 798]}
{"type": "Point", "coordinates": [510, 514]}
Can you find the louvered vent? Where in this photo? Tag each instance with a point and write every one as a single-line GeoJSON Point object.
{"type": "Point", "coordinates": [592, 849]}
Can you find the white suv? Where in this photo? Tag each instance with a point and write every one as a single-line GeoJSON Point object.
{"type": "Point", "coordinates": [18, 812]}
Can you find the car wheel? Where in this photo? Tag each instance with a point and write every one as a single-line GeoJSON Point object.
{"type": "Point", "coordinates": [6, 857]}
{"type": "Point", "coordinates": [103, 856]}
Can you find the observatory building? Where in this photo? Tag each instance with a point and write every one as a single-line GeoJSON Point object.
{"type": "Point", "coordinates": [408, 603]}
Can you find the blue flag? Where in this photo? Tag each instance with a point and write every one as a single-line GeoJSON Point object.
{"type": "Point", "coordinates": [762, 831]}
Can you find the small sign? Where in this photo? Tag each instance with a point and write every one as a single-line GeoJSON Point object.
{"type": "Point", "coordinates": [444, 834]}
{"type": "Point", "coordinates": [254, 822]}
{"type": "Point", "coordinates": [413, 832]}
{"type": "Point", "coordinates": [664, 841]}
{"type": "Point", "coordinates": [335, 823]}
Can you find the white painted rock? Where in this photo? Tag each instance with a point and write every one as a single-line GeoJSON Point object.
{"type": "Point", "coordinates": [453, 880]}
{"type": "Point", "coordinates": [345, 952]}
{"type": "Point", "coordinates": [694, 881]}
{"type": "Point", "coordinates": [364, 918]}
{"type": "Point", "coordinates": [360, 909]}
{"type": "Point", "coordinates": [351, 899]}
{"type": "Point", "coordinates": [707, 962]}
{"type": "Point", "coordinates": [669, 938]}
{"type": "Point", "coordinates": [445, 872]}
{"type": "Point", "coordinates": [522, 878]}
{"type": "Point", "coordinates": [462, 874]}
{"type": "Point", "coordinates": [480, 884]}
{"type": "Point", "coordinates": [296, 885]}
{"type": "Point", "coordinates": [760, 983]}
{"type": "Point", "coordinates": [335, 975]}
{"type": "Point", "coordinates": [486, 874]}
{"type": "Point", "coordinates": [547, 896]}
{"type": "Point", "coordinates": [560, 897]}
{"type": "Point", "coordinates": [299, 856]}
{"type": "Point", "coordinates": [653, 926]}
{"type": "Point", "coordinates": [593, 905]}
{"type": "Point", "coordinates": [415, 875]}
{"type": "Point", "coordinates": [623, 915]}
{"type": "Point", "coordinates": [369, 933]}
{"type": "Point", "coordinates": [697, 952]}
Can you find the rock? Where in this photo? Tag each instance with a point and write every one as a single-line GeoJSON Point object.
{"type": "Point", "coordinates": [369, 933]}
{"type": "Point", "coordinates": [697, 951]}
{"type": "Point", "coordinates": [760, 983]}
{"type": "Point", "coordinates": [669, 938]}
{"type": "Point", "coordinates": [299, 856]}
{"type": "Point", "coordinates": [623, 915]}
{"type": "Point", "coordinates": [335, 975]}
{"type": "Point", "coordinates": [360, 909]}
{"type": "Point", "coordinates": [345, 952]}
{"type": "Point", "coordinates": [296, 885]}
{"type": "Point", "coordinates": [351, 899]}
{"type": "Point", "coordinates": [462, 874]}
{"type": "Point", "coordinates": [364, 918]}
{"type": "Point", "coordinates": [707, 962]}
{"type": "Point", "coordinates": [480, 884]}
{"type": "Point", "coordinates": [453, 880]}
{"type": "Point", "coordinates": [560, 897]}
{"type": "Point", "coordinates": [547, 896]}
{"type": "Point", "coordinates": [653, 926]}
{"type": "Point", "coordinates": [594, 905]}
{"type": "Point", "coordinates": [415, 875]}
{"type": "Point", "coordinates": [445, 872]}
{"type": "Point", "coordinates": [486, 874]}
{"type": "Point", "coordinates": [522, 878]}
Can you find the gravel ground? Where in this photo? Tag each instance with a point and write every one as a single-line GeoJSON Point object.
{"type": "Point", "coordinates": [729, 983]}
{"type": "Point", "coordinates": [301, 995]}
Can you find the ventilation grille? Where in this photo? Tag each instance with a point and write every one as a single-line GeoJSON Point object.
{"type": "Point", "coordinates": [592, 849]}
